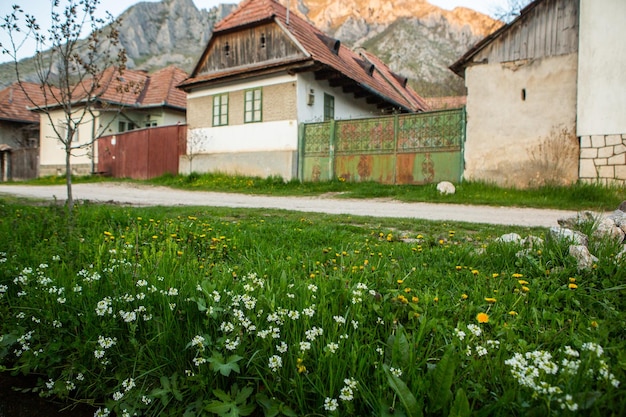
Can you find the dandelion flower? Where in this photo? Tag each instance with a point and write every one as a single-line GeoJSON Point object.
{"type": "Point", "coordinates": [482, 318]}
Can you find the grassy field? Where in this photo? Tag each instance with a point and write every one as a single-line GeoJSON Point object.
{"type": "Point", "coordinates": [201, 312]}
{"type": "Point", "coordinates": [575, 197]}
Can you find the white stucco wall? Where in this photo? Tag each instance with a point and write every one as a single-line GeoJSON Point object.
{"type": "Point", "coordinates": [346, 106]}
{"type": "Point", "coordinates": [513, 107]}
{"type": "Point", "coordinates": [602, 68]}
{"type": "Point", "coordinates": [52, 151]}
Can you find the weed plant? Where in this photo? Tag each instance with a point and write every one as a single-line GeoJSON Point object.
{"type": "Point", "coordinates": [201, 312]}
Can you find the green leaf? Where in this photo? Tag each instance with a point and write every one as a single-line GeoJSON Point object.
{"type": "Point", "coordinates": [442, 376]}
{"type": "Point", "coordinates": [460, 407]}
{"type": "Point", "coordinates": [217, 363]}
{"type": "Point", "coordinates": [408, 400]}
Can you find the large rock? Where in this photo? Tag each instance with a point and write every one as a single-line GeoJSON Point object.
{"type": "Point", "coordinates": [574, 236]}
{"type": "Point", "coordinates": [583, 257]}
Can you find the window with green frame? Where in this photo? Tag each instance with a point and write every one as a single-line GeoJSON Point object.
{"type": "Point", "coordinates": [220, 110]}
{"type": "Point", "coordinates": [253, 105]}
{"type": "Point", "coordinates": [329, 107]}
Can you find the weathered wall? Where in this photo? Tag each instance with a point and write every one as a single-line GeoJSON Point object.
{"type": "Point", "coordinates": [517, 115]}
{"type": "Point", "coordinates": [602, 92]}
{"type": "Point", "coordinates": [602, 63]}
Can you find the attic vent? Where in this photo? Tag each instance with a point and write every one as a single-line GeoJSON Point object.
{"type": "Point", "coordinates": [227, 49]}
{"type": "Point", "coordinates": [263, 40]}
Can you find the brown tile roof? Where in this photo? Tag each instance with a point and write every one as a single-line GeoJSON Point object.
{"type": "Point", "coordinates": [14, 104]}
{"type": "Point", "coordinates": [378, 80]}
{"type": "Point", "coordinates": [162, 88]}
{"type": "Point", "coordinates": [137, 89]}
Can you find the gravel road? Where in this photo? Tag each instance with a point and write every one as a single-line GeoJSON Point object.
{"type": "Point", "coordinates": [145, 195]}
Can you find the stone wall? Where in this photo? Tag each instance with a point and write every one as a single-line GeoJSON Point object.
{"type": "Point", "coordinates": [603, 159]}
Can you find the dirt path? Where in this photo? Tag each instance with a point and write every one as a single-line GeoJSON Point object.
{"type": "Point", "coordinates": [144, 195]}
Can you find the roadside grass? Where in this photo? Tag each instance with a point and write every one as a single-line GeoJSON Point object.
{"type": "Point", "coordinates": [576, 197]}
{"type": "Point", "coordinates": [214, 311]}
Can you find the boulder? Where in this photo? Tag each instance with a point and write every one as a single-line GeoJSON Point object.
{"type": "Point", "coordinates": [574, 236]}
{"type": "Point", "coordinates": [446, 187]}
{"type": "Point", "coordinates": [583, 257]}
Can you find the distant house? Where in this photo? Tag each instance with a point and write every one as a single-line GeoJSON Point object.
{"type": "Point", "coordinates": [19, 130]}
{"type": "Point", "coordinates": [137, 100]}
{"type": "Point", "coordinates": [547, 96]}
{"type": "Point", "coordinates": [264, 71]}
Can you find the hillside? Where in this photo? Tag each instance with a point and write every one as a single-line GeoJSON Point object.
{"type": "Point", "coordinates": [415, 38]}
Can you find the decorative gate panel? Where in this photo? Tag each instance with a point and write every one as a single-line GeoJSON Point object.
{"type": "Point", "coordinates": [401, 149]}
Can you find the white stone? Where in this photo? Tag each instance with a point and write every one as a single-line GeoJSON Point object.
{"type": "Point", "coordinates": [605, 152]}
{"type": "Point", "coordinates": [598, 141]}
{"type": "Point", "coordinates": [589, 153]}
{"type": "Point", "coordinates": [583, 257]}
{"type": "Point", "coordinates": [613, 140]}
{"type": "Point", "coordinates": [587, 169]}
{"type": "Point", "coordinates": [618, 160]}
{"type": "Point", "coordinates": [446, 187]}
{"type": "Point", "coordinates": [510, 238]}
{"type": "Point", "coordinates": [561, 233]}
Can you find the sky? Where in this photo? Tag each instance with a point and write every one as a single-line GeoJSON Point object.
{"type": "Point", "coordinates": [41, 10]}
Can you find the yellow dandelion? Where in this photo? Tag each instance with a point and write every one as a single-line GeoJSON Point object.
{"type": "Point", "coordinates": [482, 318]}
{"type": "Point", "coordinates": [490, 300]}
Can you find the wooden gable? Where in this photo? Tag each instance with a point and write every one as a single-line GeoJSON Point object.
{"type": "Point", "coordinates": [250, 47]}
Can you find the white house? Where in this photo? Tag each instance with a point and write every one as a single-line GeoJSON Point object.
{"type": "Point", "coordinates": [152, 101]}
{"type": "Point", "coordinates": [264, 71]}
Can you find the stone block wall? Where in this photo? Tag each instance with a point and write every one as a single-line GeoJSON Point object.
{"type": "Point", "coordinates": [603, 159]}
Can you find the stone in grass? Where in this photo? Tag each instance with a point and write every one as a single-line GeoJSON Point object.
{"type": "Point", "coordinates": [583, 257]}
{"type": "Point", "coordinates": [446, 187]}
{"type": "Point", "coordinates": [510, 238]}
{"type": "Point", "coordinates": [562, 233]}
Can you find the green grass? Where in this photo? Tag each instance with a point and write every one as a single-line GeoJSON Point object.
{"type": "Point", "coordinates": [215, 311]}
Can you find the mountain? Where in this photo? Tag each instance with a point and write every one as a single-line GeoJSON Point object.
{"type": "Point", "coordinates": [415, 38]}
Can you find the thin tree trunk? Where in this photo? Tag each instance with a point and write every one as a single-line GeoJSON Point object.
{"type": "Point", "coordinates": [68, 181]}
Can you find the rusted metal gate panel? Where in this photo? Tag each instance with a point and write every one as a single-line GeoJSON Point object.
{"type": "Point", "coordinates": [142, 154]}
{"type": "Point", "coordinates": [401, 149]}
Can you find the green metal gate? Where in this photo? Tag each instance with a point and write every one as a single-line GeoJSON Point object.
{"type": "Point", "coordinates": [400, 149]}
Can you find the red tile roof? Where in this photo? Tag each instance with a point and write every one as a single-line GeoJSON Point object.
{"type": "Point", "coordinates": [137, 89]}
{"type": "Point", "coordinates": [14, 104]}
{"type": "Point", "coordinates": [379, 80]}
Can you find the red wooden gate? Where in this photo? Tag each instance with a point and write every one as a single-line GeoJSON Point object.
{"type": "Point", "coordinates": [142, 154]}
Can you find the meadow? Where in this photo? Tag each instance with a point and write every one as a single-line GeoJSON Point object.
{"type": "Point", "coordinates": [202, 312]}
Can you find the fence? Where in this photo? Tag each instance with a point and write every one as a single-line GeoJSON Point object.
{"type": "Point", "coordinates": [401, 149]}
{"type": "Point", "coordinates": [142, 154]}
